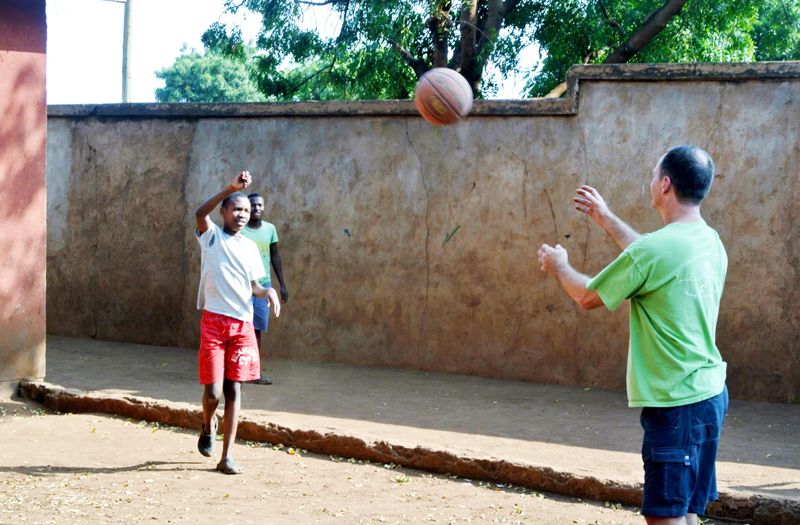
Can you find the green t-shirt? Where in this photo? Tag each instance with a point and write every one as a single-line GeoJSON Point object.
{"type": "Point", "coordinates": [674, 279]}
{"type": "Point", "coordinates": [263, 237]}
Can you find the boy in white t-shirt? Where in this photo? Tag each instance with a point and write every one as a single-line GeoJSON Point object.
{"type": "Point", "coordinates": [229, 273]}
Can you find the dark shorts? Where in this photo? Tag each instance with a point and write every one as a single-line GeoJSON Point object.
{"type": "Point", "coordinates": [261, 312]}
{"type": "Point", "coordinates": [679, 452]}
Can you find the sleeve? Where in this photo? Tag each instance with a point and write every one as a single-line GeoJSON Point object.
{"type": "Point", "coordinates": [256, 270]}
{"type": "Point", "coordinates": [206, 239]}
{"type": "Point", "coordinates": [618, 281]}
{"type": "Point", "coordinates": [274, 238]}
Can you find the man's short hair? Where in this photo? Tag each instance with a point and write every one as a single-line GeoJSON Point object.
{"type": "Point", "coordinates": [232, 197]}
{"type": "Point", "coordinates": [691, 171]}
{"type": "Point", "coordinates": [253, 195]}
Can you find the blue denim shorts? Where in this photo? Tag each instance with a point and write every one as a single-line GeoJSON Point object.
{"type": "Point", "coordinates": [261, 312]}
{"type": "Point", "coordinates": [679, 452]}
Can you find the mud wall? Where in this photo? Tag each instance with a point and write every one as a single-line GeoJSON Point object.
{"type": "Point", "coordinates": [23, 133]}
{"type": "Point", "coordinates": [407, 245]}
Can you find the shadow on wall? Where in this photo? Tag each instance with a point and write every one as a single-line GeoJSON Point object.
{"type": "Point", "coordinates": [23, 133]}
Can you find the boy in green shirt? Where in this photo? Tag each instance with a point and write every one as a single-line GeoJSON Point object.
{"type": "Point", "coordinates": [674, 279]}
{"type": "Point", "coordinates": [265, 236]}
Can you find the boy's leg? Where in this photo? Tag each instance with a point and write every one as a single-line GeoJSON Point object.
{"type": "Point", "coordinates": [211, 370]}
{"type": "Point", "coordinates": [683, 520]}
{"type": "Point", "coordinates": [211, 396]}
{"type": "Point", "coordinates": [261, 324]}
{"type": "Point", "coordinates": [242, 363]}
{"type": "Point", "coordinates": [233, 403]}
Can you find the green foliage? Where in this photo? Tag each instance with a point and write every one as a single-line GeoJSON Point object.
{"type": "Point", "coordinates": [777, 30]}
{"type": "Point", "coordinates": [573, 31]}
{"type": "Point", "coordinates": [212, 77]}
{"type": "Point", "coordinates": [354, 59]}
{"type": "Point", "coordinates": [355, 54]}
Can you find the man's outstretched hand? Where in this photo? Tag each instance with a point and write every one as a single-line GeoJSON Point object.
{"type": "Point", "coordinates": [553, 260]}
{"type": "Point", "coordinates": [592, 204]}
{"type": "Point", "coordinates": [241, 181]}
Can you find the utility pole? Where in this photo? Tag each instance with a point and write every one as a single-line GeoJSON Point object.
{"type": "Point", "coordinates": [127, 53]}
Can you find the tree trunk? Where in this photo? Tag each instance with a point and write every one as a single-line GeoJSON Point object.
{"type": "Point", "coordinates": [439, 26]}
{"type": "Point", "coordinates": [469, 26]}
{"type": "Point", "coordinates": [484, 36]}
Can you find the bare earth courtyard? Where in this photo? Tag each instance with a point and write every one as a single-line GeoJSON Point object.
{"type": "Point", "coordinates": [92, 468]}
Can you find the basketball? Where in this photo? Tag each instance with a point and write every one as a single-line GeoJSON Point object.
{"type": "Point", "coordinates": [443, 97]}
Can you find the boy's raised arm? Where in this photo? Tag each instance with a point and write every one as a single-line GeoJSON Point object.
{"type": "Point", "coordinates": [240, 182]}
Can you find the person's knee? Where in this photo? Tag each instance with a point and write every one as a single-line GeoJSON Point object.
{"type": "Point", "coordinates": [213, 392]}
{"type": "Point", "coordinates": [232, 390]}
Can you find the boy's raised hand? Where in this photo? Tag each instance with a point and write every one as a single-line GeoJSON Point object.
{"type": "Point", "coordinates": [241, 181]}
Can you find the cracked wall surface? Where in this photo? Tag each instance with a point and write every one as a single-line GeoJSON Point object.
{"type": "Point", "coordinates": [411, 246]}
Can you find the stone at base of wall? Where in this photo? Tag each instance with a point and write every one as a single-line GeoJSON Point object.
{"type": "Point", "coordinates": [8, 389]}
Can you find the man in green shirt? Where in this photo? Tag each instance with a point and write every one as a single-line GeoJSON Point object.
{"type": "Point", "coordinates": [265, 236]}
{"type": "Point", "coordinates": [674, 279]}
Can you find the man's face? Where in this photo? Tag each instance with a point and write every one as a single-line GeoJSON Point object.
{"type": "Point", "coordinates": [655, 186]}
{"type": "Point", "coordinates": [256, 207]}
{"type": "Point", "coordinates": [236, 214]}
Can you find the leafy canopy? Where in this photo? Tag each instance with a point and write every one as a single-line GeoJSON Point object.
{"type": "Point", "coordinates": [211, 77]}
{"type": "Point", "coordinates": [376, 49]}
{"type": "Point", "coordinates": [573, 32]}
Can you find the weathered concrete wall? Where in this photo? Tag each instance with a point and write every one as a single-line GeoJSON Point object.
{"type": "Point", "coordinates": [23, 133]}
{"type": "Point", "coordinates": [124, 264]}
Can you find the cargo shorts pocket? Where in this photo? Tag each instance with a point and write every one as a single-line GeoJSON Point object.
{"type": "Point", "coordinates": [671, 474]}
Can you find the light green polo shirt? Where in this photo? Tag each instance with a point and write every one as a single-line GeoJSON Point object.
{"type": "Point", "coordinates": [674, 279]}
{"type": "Point", "coordinates": [263, 237]}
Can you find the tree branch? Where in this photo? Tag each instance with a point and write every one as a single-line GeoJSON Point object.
{"type": "Point", "coordinates": [419, 65]}
{"type": "Point", "coordinates": [654, 23]}
{"type": "Point", "coordinates": [316, 73]}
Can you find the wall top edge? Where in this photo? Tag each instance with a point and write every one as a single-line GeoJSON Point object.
{"type": "Point", "coordinates": [566, 106]}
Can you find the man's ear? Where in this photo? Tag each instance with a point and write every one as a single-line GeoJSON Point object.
{"type": "Point", "coordinates": [666, 184]}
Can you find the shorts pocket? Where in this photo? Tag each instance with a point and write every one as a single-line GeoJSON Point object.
{"type": "Point", "coordinates": [661, 418]}
{"type": "Point", "coordinates": [672, 473]}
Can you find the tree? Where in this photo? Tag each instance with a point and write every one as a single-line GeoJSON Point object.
{"type": "Point", "coordinates": [777, 30]}
{"type": "Point", "coordinates": [378, 49]}
{"type": "Point", "coordinates": [211, 77]}
{"type": "Point", "coordinates": [617, 31]}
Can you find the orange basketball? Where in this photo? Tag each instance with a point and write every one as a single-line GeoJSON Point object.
{"type": "Point", "coordinates": [443, 96]}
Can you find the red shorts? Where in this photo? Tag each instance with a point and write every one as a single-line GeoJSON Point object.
{"type": "Point", "coordinates": [228, 348]}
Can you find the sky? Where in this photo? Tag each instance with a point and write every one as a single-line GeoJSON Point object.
{"type": "Point", "coordinates": [84, 46]}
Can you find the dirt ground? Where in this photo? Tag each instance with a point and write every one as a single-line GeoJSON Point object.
{"type": "Point", "coordinates": [92, 468]}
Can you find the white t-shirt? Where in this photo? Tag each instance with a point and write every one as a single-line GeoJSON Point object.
{"type": "Point", "coordinates": [228, 264]}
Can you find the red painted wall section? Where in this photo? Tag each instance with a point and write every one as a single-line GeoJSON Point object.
{"type": "Point", "coordinates": [23, 226]}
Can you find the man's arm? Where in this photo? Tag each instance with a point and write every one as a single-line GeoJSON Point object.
{"type": "Point", "coordinates": [592, 204]}
{"type": "Point", "coordinates": [240, 182]}
{"type": "Point", "coordinates": [275, 257]}
{"type": "Point", "coordinates": [554, 261]}
{"type": "Point", "coordinates": [270, 293]}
